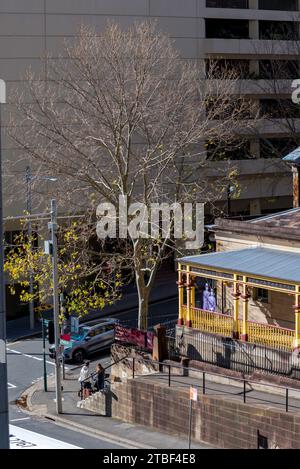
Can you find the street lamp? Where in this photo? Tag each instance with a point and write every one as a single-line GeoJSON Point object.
{"type": "Point", "coordinates": [4, 426]}
{"type": "Point", "coordinates": [230, 191]}
{"type": "Point", "coordinates": [29, 179]}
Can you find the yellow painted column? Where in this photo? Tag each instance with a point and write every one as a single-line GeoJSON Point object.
{"type": "Point", "coordinates": [236, 296]}
{"type": "Point", "coordinates": [180, 284]}
{"type": "Point", "coordinates": [297, 318]}
{"type": "Point", "coordinates": [188, 321]}
{"type": "Point", "coordinates": [193, 293]}
{"type": "Point", "coordinates": [245, 298]}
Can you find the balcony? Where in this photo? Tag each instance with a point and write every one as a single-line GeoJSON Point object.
{"type": "Point", "coordinates": [223, 325]}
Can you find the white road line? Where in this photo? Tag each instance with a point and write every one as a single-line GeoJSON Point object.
{"type": "Point", "coordinates": [19, 420]}
{"type": "Point", "coordinates": [11, 386]}
{"type": "Point", "coordinates": [34, 358]}
{"type": "Point", "coordinates": [14, 351]}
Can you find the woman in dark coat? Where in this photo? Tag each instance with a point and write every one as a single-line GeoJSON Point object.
{"type": "Point", "coordinates": [99, 378]}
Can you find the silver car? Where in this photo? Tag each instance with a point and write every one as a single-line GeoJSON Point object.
{"type": "Point", "coordinates": [92, 336]}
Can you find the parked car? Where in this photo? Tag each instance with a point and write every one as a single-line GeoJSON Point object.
{"type": "Point", "coordinates": [92, 336]}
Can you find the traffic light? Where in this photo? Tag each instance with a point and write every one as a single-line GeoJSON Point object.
{"type": "Point", "coordinates": [50, 332]}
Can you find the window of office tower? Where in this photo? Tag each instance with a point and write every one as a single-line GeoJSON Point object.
{"type": "Point", "coordinates": [227, 29]}
{"type": "Point", "coordinates": [279, 109]}
{"type": "Point", "coordinates": [284, 5]}
{"type": "Point", "coordinates": [227, 4]}
{"type": "Point", "coordinates": [279, 69]}
{"type": "Point", "coordinates": [219, 67]}
{"type": "Point", "coordinates": [276, 147]}
{"type": "Point", "coordinates": [220, 151]}
{"type": "Point", "coordinates": [278, 30]}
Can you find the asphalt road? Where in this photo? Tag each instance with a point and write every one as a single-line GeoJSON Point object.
{"type": "Point", "coordinates": [25, 367]}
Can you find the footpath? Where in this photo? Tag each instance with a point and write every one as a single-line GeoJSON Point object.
{"type": "Point", "coordinates": [40, 403]}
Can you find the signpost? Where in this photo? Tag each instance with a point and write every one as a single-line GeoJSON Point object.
{"type": "Point", "coordinates": [44, 355]}
{"type": "Point", "coordinates": [74, 324]}
{"type": "Point", "coordinates": [193, 397]}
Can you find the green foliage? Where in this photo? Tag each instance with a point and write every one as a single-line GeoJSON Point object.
{"type": "Point", "coordinates": [85, 284]}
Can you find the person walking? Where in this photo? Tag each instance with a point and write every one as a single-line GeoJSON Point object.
{"type": "Point", "coordinates": [100, 377]}
{"type": "Point", "coordinates": [85, 384]}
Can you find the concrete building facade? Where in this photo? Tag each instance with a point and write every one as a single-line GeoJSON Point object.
{"type": "Point", "coordinates": [235, 30]}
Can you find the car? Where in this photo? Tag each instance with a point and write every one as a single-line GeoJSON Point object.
{"type": "Point", "coordinates": [92, 336]}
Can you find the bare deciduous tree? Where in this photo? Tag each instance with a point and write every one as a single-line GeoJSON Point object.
{"type": "Point", "coordinates": [121, 114]}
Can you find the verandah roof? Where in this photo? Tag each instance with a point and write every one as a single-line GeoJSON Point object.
{"type": "Point", "coordinates": [260, 262]}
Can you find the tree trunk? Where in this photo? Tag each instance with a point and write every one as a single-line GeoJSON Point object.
{"type": "Point", "coordinates": [143, 295]}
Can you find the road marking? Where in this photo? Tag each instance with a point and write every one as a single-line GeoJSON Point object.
{"type": "Point", "coordinates": [25, 439]}
{"type": "Point", "coordinates": [10, 386]}
{"type": "Point", "coordinates": [18, 420]}
{"type": "Point", "coordinates": [34, 358]}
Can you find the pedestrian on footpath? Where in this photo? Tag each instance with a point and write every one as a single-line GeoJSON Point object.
{"type": "Point", "coordinates": [85, 383]}
{"type": "Point", "coordinates": [100, 377]}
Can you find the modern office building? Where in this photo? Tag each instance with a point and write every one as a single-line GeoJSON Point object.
{"type": "Point", "coordinates": [247, 33]}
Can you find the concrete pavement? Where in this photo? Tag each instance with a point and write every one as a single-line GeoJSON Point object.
{"type": "Point", "coordinates": [112, 430]}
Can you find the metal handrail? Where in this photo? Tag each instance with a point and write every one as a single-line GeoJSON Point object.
{"type": "Point", "coordinates": [204, 373]}
{"type": "Point", "coordinates": [95, 373]}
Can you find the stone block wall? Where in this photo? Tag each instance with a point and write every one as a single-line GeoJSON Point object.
{"type": "Point", "coordinates": [219, 421]}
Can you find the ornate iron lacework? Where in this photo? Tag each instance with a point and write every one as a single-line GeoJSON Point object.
{"type": "Point", "coordinates": [211, 272]}
{"type": "Point", "coordinates": [267, 283]}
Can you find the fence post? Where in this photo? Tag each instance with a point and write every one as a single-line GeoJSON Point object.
{"type": "Point", "coordinates": [287, 400]}
{"type": "Point", "coordinates": [203, 383]}
{"type": "Point", "coordinates": [244, 391]}
{"type": "Point", "coordinates": [133, 367]}
{"type": "Point", "coordinates": [169, 375]}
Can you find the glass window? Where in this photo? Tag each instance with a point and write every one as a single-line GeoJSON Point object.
{"type": "Point", "coordinates": [284, 5]}
{"type": "Point", "coordinates": [279, 69]}
{"type": "Point", "coordinates": [227, 29]}
{"type": "Point", "coordinates": [260, 294]}
{"type": "Point", "coordinates": [276, 147]}
{"type": "Point", "coordinates": [222, 67]}
{"type": "Point", "coordinates": [227, 4]}
{"type": "Point", "coordinates": [278, 30]}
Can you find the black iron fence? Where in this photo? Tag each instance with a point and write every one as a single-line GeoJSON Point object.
{"type": "Point", "coordinates": [235, 355]}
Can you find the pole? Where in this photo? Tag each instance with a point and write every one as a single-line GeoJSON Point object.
{"type": "Point", "coordinates": [53, 227]}
{"type": "Point", "coordinates": [228, 201]}
{"type": "Point", "coordinates": [4, 425]}
{"type": "Point", "coordinates": [29, 210]}
{"type": "Point", "coordinates": [44, 356]}
{"type": "Point", "coordinates": [190, 422]}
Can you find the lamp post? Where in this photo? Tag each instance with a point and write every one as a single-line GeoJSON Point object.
{"type": "Point", "coordinates": [29, 179]}
{"type": "Point", "coordinates": [230, 191]}
{"type": "Point", "coordinates": [4, 426]}
{"type": "Point", "coordinates": [53, 229]}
